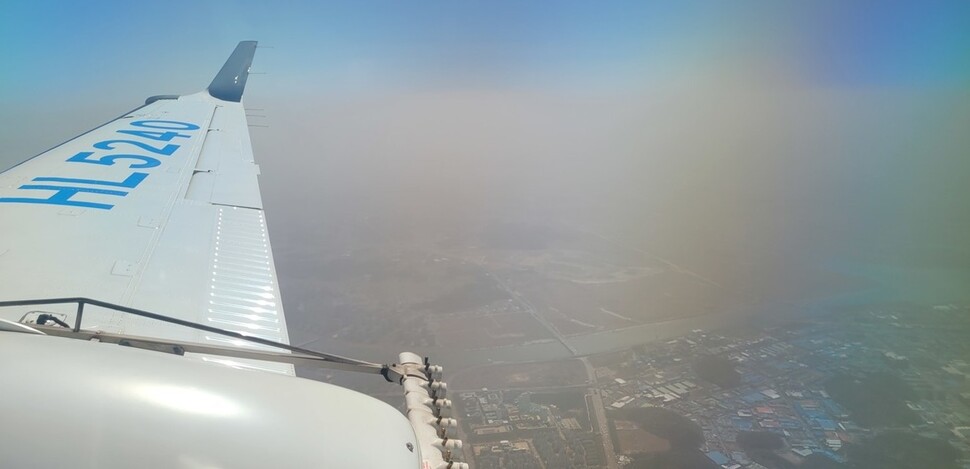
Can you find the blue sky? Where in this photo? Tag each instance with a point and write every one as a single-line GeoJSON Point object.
{"type": "Point", "coordinates": [512, 43]}
{"type": "Point", "coordinates": [75, 64]}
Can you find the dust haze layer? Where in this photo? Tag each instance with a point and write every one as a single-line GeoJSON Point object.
{"type": "Point", "coordinates": [744, 185]}
{"type": "Point", "coordinates": [780, 151]}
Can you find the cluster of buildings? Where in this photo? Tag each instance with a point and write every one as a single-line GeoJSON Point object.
{"type": "Point", "coordinates": [770, 396]}
{"type": "Point", "coordinates": [783, 375]}
{"type": "Point", "coordinates": [782, 386]}
{"type": "Point", "coordinates": [507, 429]}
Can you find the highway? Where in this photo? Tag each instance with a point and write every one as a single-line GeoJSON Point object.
{"type": "Point", "coordinates": [534, 313]}
{"type": "Point", "coordinates": [600, 411]}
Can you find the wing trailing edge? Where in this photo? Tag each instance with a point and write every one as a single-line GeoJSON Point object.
{"type": "Point", "coordinates": [229, 83]}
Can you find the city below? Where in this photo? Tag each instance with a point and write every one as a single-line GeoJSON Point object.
{"type": "Point", "coordinates": [876, 387]}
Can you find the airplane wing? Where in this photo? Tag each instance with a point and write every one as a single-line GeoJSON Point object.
{"type": "Point", "coordinates": [152, 226]}
{"type": "Point", "coordinates": [159, 210]}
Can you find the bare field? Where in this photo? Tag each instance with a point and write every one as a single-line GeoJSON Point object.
{"type": "Point", "coordinates": [582, 308]}
{"type": "Point", "coordinates": [488, 330]}
{"type": "Point", "coordinates": [632, 439]}
{"type": "Point", "coordinates": [522, 375]}
{"type": "Point", "coordinates": [462, 294]}
{"type": "Point", "coordinates": [567, 325]}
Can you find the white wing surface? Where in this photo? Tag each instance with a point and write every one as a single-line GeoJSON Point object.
{"type": "Point", "coordinates": [157, 210]}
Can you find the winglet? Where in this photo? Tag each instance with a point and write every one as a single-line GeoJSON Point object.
{"type": "Point", "coordinates": [229, 83]}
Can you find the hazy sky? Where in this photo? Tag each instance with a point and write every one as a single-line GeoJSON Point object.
{"type": "Point", "coordinates": [730, 134]}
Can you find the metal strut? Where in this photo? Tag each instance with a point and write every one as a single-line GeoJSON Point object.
{"type": "Point", "coordinates": [298, 355]}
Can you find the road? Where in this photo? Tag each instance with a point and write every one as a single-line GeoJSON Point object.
{"type": "Point", "coordinates": [600, 411]}
{"type": "Point", "coordinates": [533, 312]}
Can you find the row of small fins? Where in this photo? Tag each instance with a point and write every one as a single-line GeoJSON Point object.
{"type": "Point", "coordinates": [430, 413]}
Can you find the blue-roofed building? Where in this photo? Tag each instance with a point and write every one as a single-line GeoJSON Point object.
{"type": "Point", "coordinates": [742, 424]}
{"type": "Point", "coordinates": [718, 457]}
{"type": "Point", "coordinates": [753, 397]}
{"type": "Point", "coordinates": [833, 456]}
{"type": "Point", "coordinates": [790, 424]}
{"type": "Point", "coordinates": [827, 425]}
{"type": "Point", "coordinates": [833, 407]}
